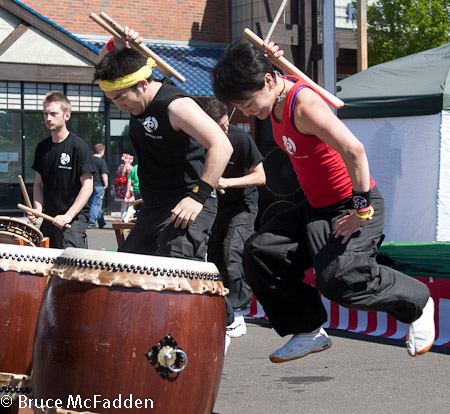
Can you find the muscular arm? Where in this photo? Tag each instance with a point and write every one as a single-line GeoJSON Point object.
{"type": "Point", "coordinates": [313, 116]}
{"type": "Point", "coordinates": [186, 115]}
{"type": "Point", "coordinates": [256, 177]}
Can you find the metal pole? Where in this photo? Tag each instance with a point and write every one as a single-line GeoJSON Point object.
{"type": "Point", "coordinates": [329, 46]}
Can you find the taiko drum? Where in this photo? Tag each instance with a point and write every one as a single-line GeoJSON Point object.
{"type": "Point", "coordinates": [23, 277]}
{"type": "Point", "coordinates": [120, 330]}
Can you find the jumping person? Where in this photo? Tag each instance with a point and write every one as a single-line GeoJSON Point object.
{"type": "Point", "coordinates": [63, 183]}
{"type": "Point", "coordinates": [336, 229]}
{"type": "Point", "coordinates": [181, 152]}
{"type": "Point", "coordinates": [238, 208]}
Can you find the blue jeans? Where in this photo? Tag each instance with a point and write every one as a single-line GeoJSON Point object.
{"type": "Point", "coordinates": [96, 202]}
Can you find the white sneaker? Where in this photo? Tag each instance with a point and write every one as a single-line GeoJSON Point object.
{"type": "Point", "coordinates": [238, 327]}
{"type": "Point", "coordinates": [227, 342]}
{"type": "Point", "coordinates": [420, 334]}
{"type": "Point", "coordinates": [301, 345]}
{"type": "Point", "coordinates": [129, 214]}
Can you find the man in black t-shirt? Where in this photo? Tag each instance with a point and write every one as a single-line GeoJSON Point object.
{"type": "Point", "coordinates": [170, 134]}
{"type": "Point", "coordinates": [238, 208]}
{"type": "Point", "coordinates": [100, 186]}
{"type": "Point", "coordinates": [63, 183]}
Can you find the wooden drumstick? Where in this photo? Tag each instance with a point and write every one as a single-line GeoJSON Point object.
{"type": "Point", "coordinates": [275, 21]}
{"type": "Point", "coordinates": [286, 66]}
{"type": "Point", "coordinates": [24, 192]}
{"type": "Point", "coordinates": [118, 31]}
{"type": "Point", "coordinates": [38, 213]}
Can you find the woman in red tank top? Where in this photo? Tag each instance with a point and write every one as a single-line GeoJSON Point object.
{"type": "Point", "coordinates": [336, 229]}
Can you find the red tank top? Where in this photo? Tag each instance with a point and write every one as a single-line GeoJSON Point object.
{"type": "Point", "coordinates": [320, 170]}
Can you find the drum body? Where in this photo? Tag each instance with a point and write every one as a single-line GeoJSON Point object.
{"type": "Point", "coordinates": [23, 277]}
{"type": "Point", "coordinates": [107, 322]}
{"type": "Point", "coordinates": [13, 229]}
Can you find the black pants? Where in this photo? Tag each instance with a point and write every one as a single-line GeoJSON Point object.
{"type": "Point", "coordinates": [73, 237]}
{"type": "Point", "coordinates": [232, 228]}
{"type": "Point", "coordinates": [300, 238]}
{"type": "Point", "coordinates": [154, 234]}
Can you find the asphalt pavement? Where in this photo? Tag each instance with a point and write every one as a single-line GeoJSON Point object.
{"type": "Point", "coordinates": [358, 374]}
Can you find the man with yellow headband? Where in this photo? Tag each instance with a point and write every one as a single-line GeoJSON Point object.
{"type": "Point", "coordinates": [181, 151]}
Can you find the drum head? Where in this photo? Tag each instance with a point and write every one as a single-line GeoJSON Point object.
{"type": "Point", "coordinates": [139, 271]}
{"type": "Point", "coordinates": [13, 228]}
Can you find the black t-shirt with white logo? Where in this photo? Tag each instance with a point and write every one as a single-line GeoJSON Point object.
{"type": "Point", "coordinates": [170, 162]}
{"type": "Point", "coordinates": [61, 165]}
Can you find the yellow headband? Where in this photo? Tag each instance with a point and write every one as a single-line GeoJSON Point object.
{"type": "Point", "coordinates": [128, 80]}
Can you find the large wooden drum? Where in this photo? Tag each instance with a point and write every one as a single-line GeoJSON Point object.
{"type": "Point", "coordinates": [119, 332]}
{"type": "Point", "coordinates": [14, 230]}
{"type": "Point", "coordinates": [23, 276]}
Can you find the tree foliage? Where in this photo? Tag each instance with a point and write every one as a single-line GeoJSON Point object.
{"type": "Point", "coordinates": [397, 28]}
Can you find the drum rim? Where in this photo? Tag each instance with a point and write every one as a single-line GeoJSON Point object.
{"type": "Point", "coordinates": [166, 274]}
{"type": "Point", "coordinates": [35, 233]}
{"type": "Point", "coordinates": [27, 259]}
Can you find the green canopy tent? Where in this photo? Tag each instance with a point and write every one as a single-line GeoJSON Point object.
{"type": "Point", "coordinates": [400, 110]}
{"type": "Point", "coordinates": [418, 84]}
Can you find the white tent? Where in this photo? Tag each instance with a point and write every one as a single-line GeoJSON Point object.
{"type": "Point", "coordinates": [400, 110]}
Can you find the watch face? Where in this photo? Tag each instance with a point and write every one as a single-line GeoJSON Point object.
{"type": "Point", "coordinates": [359, 202]}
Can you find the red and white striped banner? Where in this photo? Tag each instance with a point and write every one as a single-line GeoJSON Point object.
{"type": "Point", "coordinates": [380, 323]}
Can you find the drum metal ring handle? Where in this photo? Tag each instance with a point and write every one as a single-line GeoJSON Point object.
{"type": "Point", "coordinates": [169, 356]}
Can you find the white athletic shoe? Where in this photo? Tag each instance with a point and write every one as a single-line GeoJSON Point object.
{"type": "Point", "coordinates": [227, 342]}
{"type": "Point", "coordinates": [301, 345]}
{"type": "Point", "coordinates": [420, 334]}
{"type": "Point", "coordinates": [238, 327]}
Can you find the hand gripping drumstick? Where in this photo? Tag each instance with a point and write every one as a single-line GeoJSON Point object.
{"type": "Point", "coordinates": [288, 67]}
{"type": "Point", "coordinates": [118, 31]}
{"type": "Point", "coordinates": [38, 213]}
{"type": "Point", "coordinates": [24, 192]}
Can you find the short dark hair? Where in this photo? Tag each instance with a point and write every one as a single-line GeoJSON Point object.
{"type": "Point", "coordinates": [214, 108]}
{"type": "Point", "coordinates": [240, 72]}
{"type": "Point", "coordinates": [119, 63]}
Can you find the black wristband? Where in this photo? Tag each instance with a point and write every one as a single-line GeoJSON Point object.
{"type": "Point", "coordinates": [361, 199]}
{"type": "Point", "coordinates": [201, 191]}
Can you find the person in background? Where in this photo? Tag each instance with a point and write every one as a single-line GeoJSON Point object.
{"type": "Point", "coordinates": [133, 183]}
{"type": "Point", "coordinates": [236, 214]}
{"type": "Point", "coordinates": [63, 184]}
{"type": "Point", "coordinates": [120, 185]}
{"type": "Point", "coordinates": [133, 186]}
{"type": "Point", "coordinates": [100, 186]}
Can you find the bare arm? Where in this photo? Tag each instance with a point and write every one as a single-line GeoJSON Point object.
{"type": "Point", "coordinates": [80, 201]}
{"type": "Point", "coordinates": [256, 177]}
{"type": "Point", "coordinates": [313, 116]}
{"type": "Point", "coordinates": [186, 115]}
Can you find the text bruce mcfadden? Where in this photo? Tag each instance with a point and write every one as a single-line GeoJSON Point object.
{"type": "Point", "coordinates": [77, 401]}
